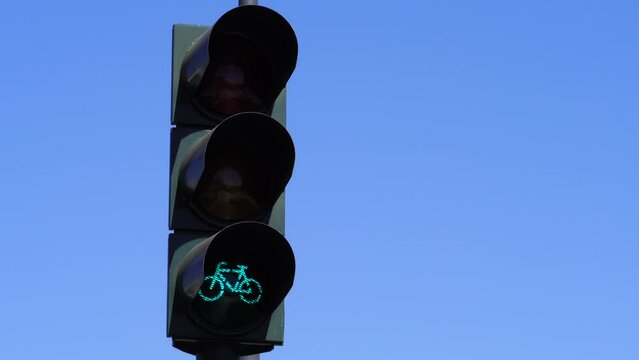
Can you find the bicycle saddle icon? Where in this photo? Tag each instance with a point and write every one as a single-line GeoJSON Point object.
{"type": "Point", "coordinates": [249, 290]}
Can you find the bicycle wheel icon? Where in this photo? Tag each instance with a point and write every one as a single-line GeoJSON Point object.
{"type": "Point", "coordinates": [250, 291]}
{"type": "Point", "coordinates": [212, 288]}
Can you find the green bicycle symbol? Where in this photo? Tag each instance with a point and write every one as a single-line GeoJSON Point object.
{"type": "Point", "coordinates": [249, 289]}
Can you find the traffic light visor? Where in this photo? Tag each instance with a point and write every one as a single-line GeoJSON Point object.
{"type": "Point", "coordinates": [241, 169]}
{"type": "Point", "coordinates": [242, 63]}
{"type": "Point", "coordinates": [234, 280]}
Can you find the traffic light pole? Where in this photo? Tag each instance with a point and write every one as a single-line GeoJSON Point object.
{"type": "Point", "coordinates": [224, 353]}
{"type": "Point", "coordinates": [218, 353]}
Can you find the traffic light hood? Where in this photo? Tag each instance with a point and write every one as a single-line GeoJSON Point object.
{"type": "Point", "coordinates": [240, 64]}
{"type": "Point", "coordinates": [238, 170]}
{"type": "Point", "coordinates": [234, 280]}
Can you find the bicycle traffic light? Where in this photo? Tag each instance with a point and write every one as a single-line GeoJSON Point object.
{"type": "Point", "coordinates": [231, 158]}
{"type": "Point", "coordinates": [226, 288]}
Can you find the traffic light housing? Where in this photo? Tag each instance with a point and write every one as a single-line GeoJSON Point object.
{"type": "Point", "coordinates": [231, 158]}
{"type": "Point", "coordinates": [224, 289]}
{"type": "Point", "coordinates": [240, 64]}
{"type": "Point", "coordinates": [233, 172]}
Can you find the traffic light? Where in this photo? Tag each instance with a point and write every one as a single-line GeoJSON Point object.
{"type": "Point", "coordinates": [230, 267]}
{"type": "Point", "coordinates": [240, 64]}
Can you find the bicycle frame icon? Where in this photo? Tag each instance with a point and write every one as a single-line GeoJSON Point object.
{"type": "Point", "coordinates": [249, 290]}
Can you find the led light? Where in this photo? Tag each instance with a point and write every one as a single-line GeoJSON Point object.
{"type": "Point", "coordinates": [213, 287]}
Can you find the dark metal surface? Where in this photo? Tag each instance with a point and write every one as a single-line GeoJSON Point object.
{"type": "Point", "coordinates": [218, 353]}
{"type": "Point", "coordinates": [200, 63]}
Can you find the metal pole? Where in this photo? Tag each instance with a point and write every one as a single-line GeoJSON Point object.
{"type": "Point", "coordinates": [248, 2]}
{"type": "Point", "coordinates": [218, 353]}
{"type": "Point", "coordinates": [224, 353]}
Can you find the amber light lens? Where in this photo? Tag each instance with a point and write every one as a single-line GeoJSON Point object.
{"type": "Point", "coordinates": [235, 189]}
{"type": "Point", "coordinates": [239, 79]}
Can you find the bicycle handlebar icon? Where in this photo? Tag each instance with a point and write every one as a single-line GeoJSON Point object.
{"type": "Point", "coordinates": [249, 289]}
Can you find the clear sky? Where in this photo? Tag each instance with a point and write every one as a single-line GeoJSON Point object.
{"type": "Point", "coordinates": [466, 183]}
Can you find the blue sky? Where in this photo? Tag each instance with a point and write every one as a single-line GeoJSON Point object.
{"type": "Point", "coordinates": [465, 187]}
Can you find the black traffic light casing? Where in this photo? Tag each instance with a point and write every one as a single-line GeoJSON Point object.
{"type": "Point", "coordinates": [234, 319]}
{"type": "Point", "coordinates": [234, 172]}
{"type": "Point", "coordinates": [252, 49]}
{"type": "Point", "coordinates": [229, 271]}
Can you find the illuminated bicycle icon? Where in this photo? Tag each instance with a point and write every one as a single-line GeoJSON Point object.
{"type": "Point", "coordinates": [249, 290]}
